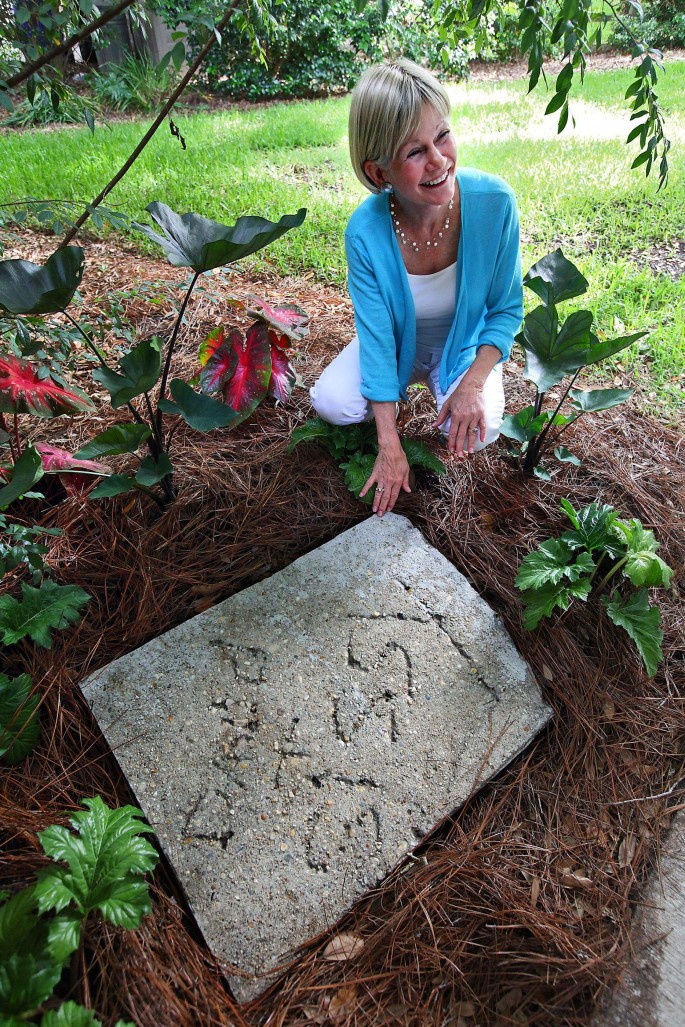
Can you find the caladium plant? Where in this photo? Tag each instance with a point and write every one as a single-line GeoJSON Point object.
{"type": "Point", "coordinates": [600, 549]}
{"type": "Point", "coordinates": [244, 369]}
{"type": "Point", "coordinates": [554, 351]}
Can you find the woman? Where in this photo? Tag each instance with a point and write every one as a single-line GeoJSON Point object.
{"type": "Point", "coordinates": [434, 274]}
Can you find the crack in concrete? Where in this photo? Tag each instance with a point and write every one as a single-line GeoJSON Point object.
{"type": "Point", "coordinates": [439, 620]}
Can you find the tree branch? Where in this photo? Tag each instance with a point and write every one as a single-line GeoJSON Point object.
{"type": "Point", "coordinates": [61, 48]}
{"type": "Point", "coordinates": [153, 128]}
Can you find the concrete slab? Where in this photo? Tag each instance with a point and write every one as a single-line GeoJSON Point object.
{"type": "Point", "coordinates": [291, 744]}
{"type": "Point", "coordinates": [652, 993]}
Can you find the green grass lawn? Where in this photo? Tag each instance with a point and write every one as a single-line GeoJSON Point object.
{"type": "Point", "coordinates": [575, 190]}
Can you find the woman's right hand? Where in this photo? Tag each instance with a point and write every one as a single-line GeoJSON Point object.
{"type": "Point", "coordinates": [390, 475]}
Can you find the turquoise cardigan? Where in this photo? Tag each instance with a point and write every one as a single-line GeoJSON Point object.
{"type": "Point", "coordinates": [489, 291]}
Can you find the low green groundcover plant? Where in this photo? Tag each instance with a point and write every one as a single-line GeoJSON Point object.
{"type": "Point", "coordinates": [96, 869]}
{"type": "Point", "coordinates": [355, 448]}
{"type": "Point", "coordinates": [600, 550]}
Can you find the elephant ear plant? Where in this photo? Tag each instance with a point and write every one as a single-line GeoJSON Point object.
{"type": "Point", "coordinates": [28, 387]}
{"type": "Point", "coordinates": [554, 351]}
{"type": "Point", "coordinates": [200, 244]}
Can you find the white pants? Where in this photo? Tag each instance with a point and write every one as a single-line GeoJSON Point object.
{"type": "Point", "coordinates": [336, 396]}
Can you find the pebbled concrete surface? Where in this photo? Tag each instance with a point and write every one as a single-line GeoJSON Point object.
{"type": "Point", "coordinates": [291, 744]}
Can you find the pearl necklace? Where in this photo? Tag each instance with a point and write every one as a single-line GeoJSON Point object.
{"type": "Point", "coordinates": [429, 242]}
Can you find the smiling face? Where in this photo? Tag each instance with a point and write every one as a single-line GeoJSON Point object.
{"type": "Point", "coordinates": [422, 171]}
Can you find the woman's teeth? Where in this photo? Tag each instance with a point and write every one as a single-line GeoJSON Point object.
{"type": "Point", "coordinates": [437, 181]}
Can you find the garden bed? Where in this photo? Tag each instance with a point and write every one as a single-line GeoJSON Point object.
{"type": "Point", "coordinates": [517, 912]}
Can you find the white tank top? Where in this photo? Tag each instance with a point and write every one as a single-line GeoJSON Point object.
{"type": "Point", "coordinates": [435, 304]}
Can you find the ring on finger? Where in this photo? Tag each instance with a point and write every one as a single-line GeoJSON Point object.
{"type": "Point", "coordinates": [380, 488]}
{"type": "Point", "coordinates": [473, 431]}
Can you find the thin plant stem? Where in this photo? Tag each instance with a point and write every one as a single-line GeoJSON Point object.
{"type": "Point", "coordinates": [611, 573]}
{"type": "Point", "coordinates": [93, 348]}
{"type": "Point", "coordinates": [76, 227]}
{"type": "Point", "coordinates": [6, 428]}
{"type": "Point", "coordinates": [535, 452]}
{"type": "Point", "coordinates": [172, 343]}
{"type": "Point", "coordinates": [17, 440]}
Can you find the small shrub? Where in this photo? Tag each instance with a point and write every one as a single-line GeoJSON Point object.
{"type": "Point", "coordinates": [135, 84]}
{"type": "Point", "coordinates": [567, 567]}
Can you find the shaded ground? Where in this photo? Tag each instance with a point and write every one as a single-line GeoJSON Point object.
{"type": "Point", "coordinates": [519, 911]}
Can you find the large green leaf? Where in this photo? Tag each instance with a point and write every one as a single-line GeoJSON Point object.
{"type": "Point", "coordinates": [140, 370]}
{"type": "Point", "coordinates": [19, 722]}
{"type": "Point", "coordinates": [550, 562]}
{"type": "Point", "coordinates": [201, 412]}
{"type": "Point", "coordinates": [600, 349]}
{"type": "Point", "coordinates": [28, 288]}
{"type": "Point", "coordinates": [120, 438]}
{"type": "Point", "coordinates": [642, 622]}
{"type": "Point", "coordinates": [642, 566]}
{"type": "Point", "coordinates": [24, 474]}
{"type": "Point", "coordinates": [554, 279]}
{"type": "Point", "coordinates": [419, 455]}
{"type": "Point", "coordinates": [28, 972]}
{"type": "Point", "coordinates": [541, 602]}
{"type": "Point", "coordinates": [593, 528]}
{"type": "Point", "coordinates": [40, 612]}
{"type": "Point", "coordinates": [70, 1014]}
{"type": "Point", "coordinates": [524, 426]}
{"type": "Point", "coordinates": [152, 471]}
{"type": "Point", "coordinates": [114, 485]}
{"type": "Point", "coordinates": [550, 355]}
{"type": "Point", "coordinates": [357, 472]}
{"type": "Point", "coordinates": [106, 858]}
{"type": "Point", "coordinates": [592, 400]}
{"type": "Point", "coordinates": [190, 240]}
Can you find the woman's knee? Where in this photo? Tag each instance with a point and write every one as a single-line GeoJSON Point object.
{"type": "Point", "coordinates": [334, 406]}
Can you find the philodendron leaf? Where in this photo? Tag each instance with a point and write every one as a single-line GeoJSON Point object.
{"type": "Point", "coordinates": [28, 288]}
{"type": "Point", "coordinates": [201, 412]}
{"type": "Point", "coordinates": [40, 611]}
{"type": "Point", "coordinates": [19, 722]}
{"type": "Point", "coordinates": [28, 972]}
{"type": "Point", "coordinates": [592, 400]}
{"type": "Point", "coordinates": [551, 355]}
{"type": "Point", "coordinates": [554, 279]}
{"type": "Point", "coordinates": [419, 455]}
{"type": "Point", "coordinates": [140, 370]}
{"type": "Point", "coordinates": [23, 475]}
{"type": "Point", "coordinates": [69, 1014]}
{"type": "Point", "coordinates": [106, 861]}
{"type": "Point", "coordinates": [357, 472]}
{"type": "Point", "coordinates": [593, 528]}
{"type": "Point", "coordinates": [642, 622]}
{"type": "Point", "coordinates": [600, 349]}
{"type": "Point", "coordinates": [25, 389]}
{"type": "Point", "coordinates": [541, 602]}
{"type": "Point", "coordinates": [248, 385]}
{"type": "Point", "coordinates": [642, 565]}
{"type": "Point", "coordinates": [550, 562]}
{"type": "Point", "coordinates": [120, 438]}
{"type": "Point", "coordinates": [190, 240]}
{"type": "Point", "coordinates": [152, 471]}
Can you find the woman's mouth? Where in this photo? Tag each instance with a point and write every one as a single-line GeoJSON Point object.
{"type": "Point", "coordinates": [434, 182]}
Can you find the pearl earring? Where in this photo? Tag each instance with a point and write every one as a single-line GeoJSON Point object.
{"type": "Point", "coordinates": [386, 187]}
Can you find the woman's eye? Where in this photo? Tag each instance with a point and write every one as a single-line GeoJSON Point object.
{"type": "Point", "coordinates": [443, 134]}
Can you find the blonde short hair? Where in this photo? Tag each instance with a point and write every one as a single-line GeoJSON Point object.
{"type": "Point", "coordinates": [386, 109]}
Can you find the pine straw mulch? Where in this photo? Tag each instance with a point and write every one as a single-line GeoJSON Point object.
{"type": "Point", "coordinates": [516, 911]}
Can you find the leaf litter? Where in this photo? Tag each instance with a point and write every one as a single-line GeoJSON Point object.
{"type": "Point", "coordinates": [519, 908]}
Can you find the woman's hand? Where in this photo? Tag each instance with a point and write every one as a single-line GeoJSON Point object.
{"type": "Point", "coordinates": [390, 475]}
{"type": "Point", "coordinates": [466, 409]}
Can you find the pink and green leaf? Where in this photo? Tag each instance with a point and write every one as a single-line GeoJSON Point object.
{"type": "Point", "coordinates": [219, 359]}
{"type": "Point", "coordinates": [211, 344]}
{"type": "Point", "coordinates": [285, 318]}
{"type": "Point", "coordinates": [24, 391]}
{"type": "Point", "coordinates": [283, 375]}
{"type": "Point", "coordinates": [250, 381]}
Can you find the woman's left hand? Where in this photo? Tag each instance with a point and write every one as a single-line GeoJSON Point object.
{"type": "Point", "coordinates": [465, 408]}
